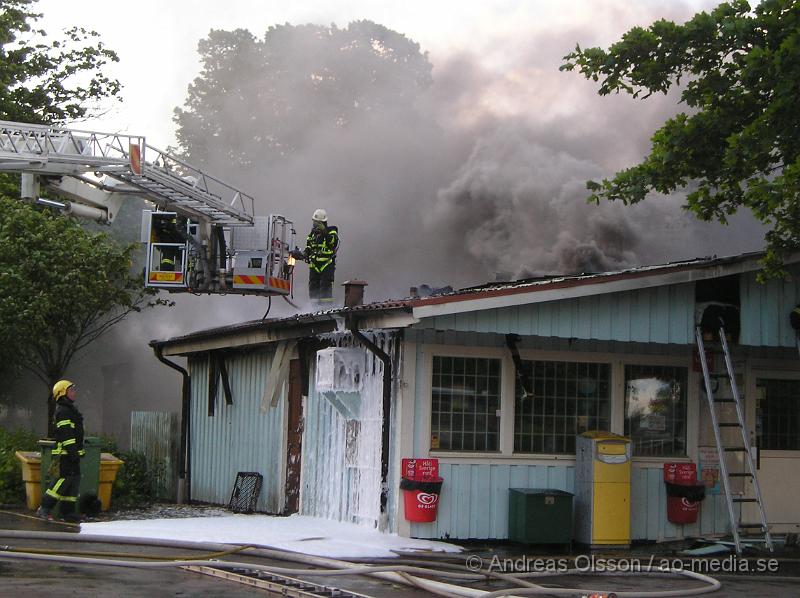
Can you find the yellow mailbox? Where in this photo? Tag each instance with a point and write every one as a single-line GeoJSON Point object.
{"type": "Point", "coordinates": [603, 489]}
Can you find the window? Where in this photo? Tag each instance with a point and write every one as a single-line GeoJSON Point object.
{"type": "Point", "coordinates": [778, 414]}
{"type": "Point", "coordinates": [655, 409]}
{"type": "Point", "coordinates": [465, 398]}
{"type": "Point", "coordinates": [565, 399]}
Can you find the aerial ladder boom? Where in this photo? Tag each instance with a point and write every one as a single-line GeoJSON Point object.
{"type": "Point", "coordinates": [203, 232]}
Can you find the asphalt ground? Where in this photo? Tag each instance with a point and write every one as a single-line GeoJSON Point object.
{"type": "Point", "coordinates": [22, 579]}
{"type": "Point", "coordinates": [776, 574]}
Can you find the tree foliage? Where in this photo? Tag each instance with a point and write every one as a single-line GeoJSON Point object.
{"type": "Point", "coordinates": [61, 288]}
{"type": "Point", "coordinates": [49, 80]}
{"type": "Point", "coordinates": [257, 101]}
{"type": "Point", "coordinates": [737, 144]}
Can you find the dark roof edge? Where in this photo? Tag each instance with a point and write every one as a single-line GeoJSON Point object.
{"type": "Point", "coordinates": [580, 280]}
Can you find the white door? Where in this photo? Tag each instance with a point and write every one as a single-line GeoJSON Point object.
{"type": "Point", "coordinates": [777, 442]}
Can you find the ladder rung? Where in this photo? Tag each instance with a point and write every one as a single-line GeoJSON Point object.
{"type": "Point", "coordinates": [740, 475]}
{"type": "Point", "coordinates": [751, 526]}
{"type": "Point", "coordinates": [716, 400]}
{"type": "Point", "coordinates": [753, 539]}
{"type": "Point", "coordinates": [744, 500]}
{"type": "Point", "coordinates": [735, 449]}
{"type": "Point", "coordinates": [730, 425]}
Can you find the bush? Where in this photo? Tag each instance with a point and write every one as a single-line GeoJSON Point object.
{"type": "Point", "coordinates": [136, 484]}
{"type": "Point", "coordinates": [12, 488]}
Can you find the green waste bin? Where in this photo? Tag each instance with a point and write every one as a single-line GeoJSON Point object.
{"type": "Point", "coordinates": [90, 466]}
{"type": "Point", "coordinates": [539, 516]}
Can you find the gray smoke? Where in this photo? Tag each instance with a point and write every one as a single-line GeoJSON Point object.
{"type": "Point", "coordinates": [489, 176]}
{"type": "Point", "coordinates": [521, 208]}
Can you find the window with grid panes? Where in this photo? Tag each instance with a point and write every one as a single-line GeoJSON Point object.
{"type": "Point", "coordinates": [778, 414]}
{"type": "Point", "coordinates": [563, 399]}
{"type": "Point", "coordinates": [655, 409]}
{"type": "Point", "coordinates": [465, 398]}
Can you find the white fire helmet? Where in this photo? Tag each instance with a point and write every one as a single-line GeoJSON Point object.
{"type": "Point", "coordinates": [320, 215]}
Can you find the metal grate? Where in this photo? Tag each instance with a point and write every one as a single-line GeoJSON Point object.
{"type": "Point", "coordinates": [245, 492]}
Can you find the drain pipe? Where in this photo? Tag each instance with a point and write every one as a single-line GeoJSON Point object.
{"type": "Point", "coordinates": [184, 457]}
{"type": "Point", "coordinates": [352, 325]}
{"type": "Point", "coordinates": [512, 340]}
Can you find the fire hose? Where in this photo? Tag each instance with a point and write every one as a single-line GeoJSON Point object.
{"type": "Point", "coordinates": [405, 574]}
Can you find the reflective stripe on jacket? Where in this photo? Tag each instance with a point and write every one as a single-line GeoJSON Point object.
{"type": "Point", "coordinates": [69, 429]}
{"type": "Point", "coordinates": [321, 246]}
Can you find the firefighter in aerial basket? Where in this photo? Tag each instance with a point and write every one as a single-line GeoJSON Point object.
{"type": "Point", "coordinates": [322, 244]}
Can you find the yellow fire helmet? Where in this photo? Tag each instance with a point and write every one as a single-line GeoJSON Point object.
{"type": "Point", "coordinates": [60, 388]}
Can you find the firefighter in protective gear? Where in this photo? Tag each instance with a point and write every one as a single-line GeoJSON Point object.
{"type": "Point", "coordinates": [322, 244]}
{"type": "Point", "coordinates": [68, 450]}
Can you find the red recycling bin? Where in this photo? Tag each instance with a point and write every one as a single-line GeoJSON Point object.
{"type": "Point", "coordinates": [421, 486]}
{"type": "Point", "coordinates": [684, 493]}
{"type": "Point", "coordinates": [421, 499]}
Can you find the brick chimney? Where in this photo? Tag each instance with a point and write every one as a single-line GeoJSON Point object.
{"type": "Point", "coordinates": [354, 292]}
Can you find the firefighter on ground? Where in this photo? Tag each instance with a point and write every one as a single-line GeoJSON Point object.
{"type": "Point", "coordinates": [320, 253]}
{"type": "Point", "coordinates": [68, 452]}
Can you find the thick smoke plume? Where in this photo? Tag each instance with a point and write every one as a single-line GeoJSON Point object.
{"type": "Point", "coordinates": [486, 175]}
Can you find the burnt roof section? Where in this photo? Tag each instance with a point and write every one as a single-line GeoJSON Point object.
{"type": "Point", "coordinates": [314, 323]}
{"type": "Point", "coordinates": [540, 283]}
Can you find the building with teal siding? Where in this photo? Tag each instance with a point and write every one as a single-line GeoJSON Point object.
{"type": "Point", "coordinates": [496, 382]}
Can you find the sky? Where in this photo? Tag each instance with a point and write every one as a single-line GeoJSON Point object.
{"type": "Point", "coordinates": [491, 187]}
{"type": "Point", "coordinates": [307, 535]}
{"type": "Point", "coordinates": [157, 41]}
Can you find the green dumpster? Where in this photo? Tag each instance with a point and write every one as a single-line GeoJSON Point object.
{"type": "Point", "coordinates": [539, 516]}
{"type": "Point", "coordinates": [90, 466]}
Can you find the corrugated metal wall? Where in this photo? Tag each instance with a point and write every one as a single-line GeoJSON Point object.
{"type": "Point", "coordinates": [654, 315]}
{"type": "Point", "coordinates": [765, 310]}
{"type": "Point", "coordinates": [156, 434]}
{"type": "Point", "coordinates": [239, 437]}
{"type": "Point", "coordinates": [474, 502]}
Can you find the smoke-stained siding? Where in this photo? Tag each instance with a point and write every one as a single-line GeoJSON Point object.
{"type": "Point", "coordinates": [654, 315]}
{"type": "Point", "coordinates": [474, 502]}
{"type": "Point", "coordinates": [238, 437]}
{"type": "Point", "coordinates": [765, 310]}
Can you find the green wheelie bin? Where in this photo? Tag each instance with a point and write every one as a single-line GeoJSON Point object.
{"type": "Point", "coordinates": [90, 470]}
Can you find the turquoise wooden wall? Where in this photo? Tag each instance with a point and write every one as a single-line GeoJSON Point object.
{"type": "Point", "coordinates": [474, 502]}
{"type": "Point", "coordinates": [655, 315]}
{"type": "Point", "coordinates": [765, 310]}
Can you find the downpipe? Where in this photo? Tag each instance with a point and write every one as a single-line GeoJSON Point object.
{"type": "Point", "coordinates": [184, 455]}
{"type": "Point", "coordinates": [352, 325]}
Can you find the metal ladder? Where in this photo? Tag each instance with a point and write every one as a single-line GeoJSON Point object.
{"type": "Point", "coordinates": [163, 178]}
{"type": "Point", "coordinates": [737, 527]}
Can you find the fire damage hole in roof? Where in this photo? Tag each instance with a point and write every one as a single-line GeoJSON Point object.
{"type": "Point", "coordinates": [718, 303]}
